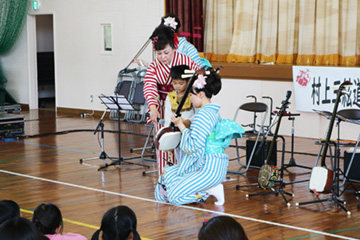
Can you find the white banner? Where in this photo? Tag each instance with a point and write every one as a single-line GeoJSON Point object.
{"type": "Point", "coordinates": [316, 88]}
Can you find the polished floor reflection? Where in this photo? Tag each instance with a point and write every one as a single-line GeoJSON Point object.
{"type": "Point", "coordinates": [45, 167]}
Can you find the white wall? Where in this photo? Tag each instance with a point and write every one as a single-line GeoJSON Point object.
{"type": "Point", "coordinates": [81, 70]}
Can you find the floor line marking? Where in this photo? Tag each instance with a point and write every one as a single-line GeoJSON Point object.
{"type": "Point", "coordinates": [181, 206]}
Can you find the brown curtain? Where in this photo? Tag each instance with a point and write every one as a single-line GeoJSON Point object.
{"type": "Point", "coordinates": [190, 13]}
{"type": "Point", "coordinates": [303, 32]}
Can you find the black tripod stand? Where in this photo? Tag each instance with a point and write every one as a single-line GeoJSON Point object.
{"type": "Point", "coordinates": [281, 181]}
{"type": "Point", "coordinates": [118, 102]}
{"type": "Point", "coordinates": [322, 179]}
{"type": "Point", "coordinates": [102, 155]}
{"type": "Point", "coordinates": [335, 190]}
{"type": "Point", "coordinates": [284, 105]}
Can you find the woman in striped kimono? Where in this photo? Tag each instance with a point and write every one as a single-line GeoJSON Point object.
{"type": "Point", "coordinates": [204, 165]}
{"type": "Point", "coordinates": [157, 82]}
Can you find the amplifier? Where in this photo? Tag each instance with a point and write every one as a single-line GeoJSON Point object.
{"type": "Point", "coordinates": [11, 124]}
{"type": "Point", "coordinates": [259, 159]}
{"type": "Point", "coordinates": [355, 166]}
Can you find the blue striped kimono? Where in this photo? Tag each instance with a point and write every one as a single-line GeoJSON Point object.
{"type": "Point", "coordinates": [201, 168]}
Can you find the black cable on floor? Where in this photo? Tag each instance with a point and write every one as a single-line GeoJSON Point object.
{"type": "Point", "coordinates": [76, 130]}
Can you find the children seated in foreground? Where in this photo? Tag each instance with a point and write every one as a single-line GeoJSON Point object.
{"type": "Point", "coordinates": [118, 223]}
{"type": "Point", "coordinates": [222, 228]}
{"type": "Point", "coordinates": [48, 219]}
{"type": "Point", "coordinates": [19, 228]}
{"type": "Point", "coordinates": [8, 209]}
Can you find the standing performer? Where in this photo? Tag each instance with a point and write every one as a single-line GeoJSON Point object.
{"type": "Point", "coordinates": [157, 82]}
{"type": "Point", "coordinates": [204, 164]}
{"type": "Point", "coordinates": [184, 47]}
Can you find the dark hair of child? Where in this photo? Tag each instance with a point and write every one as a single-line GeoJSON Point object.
{"type": "Point", "coordinates": [20, 229]}
{"type": "Point", "coordinates": [163, 36]}
{"type": "Point", "coordinates": [176, 20]}
{"type": "Point", "coordinates": [177, 71]}
{"type": "Point", "coordinates": [118, 223]}
{"type": "Point", "coordinates": [213, 84]}
{"type": "Point", "coordinates": [47, 218]}
{"type": "Point", "coordinates": [8, 209]}
{"type": "Point", "coordinates": [222, 228]}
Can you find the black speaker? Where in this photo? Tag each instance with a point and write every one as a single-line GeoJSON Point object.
{"type": "Point", "coordinates": [355, 166]}
{"type": "Point", "coordinates": [260, 155]}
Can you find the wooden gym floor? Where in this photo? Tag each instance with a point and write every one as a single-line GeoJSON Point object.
{"type": "Point", "coordinates": [46, 168]}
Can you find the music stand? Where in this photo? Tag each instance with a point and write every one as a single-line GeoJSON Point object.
{"type": "Point", "coordinates": [118, 102]}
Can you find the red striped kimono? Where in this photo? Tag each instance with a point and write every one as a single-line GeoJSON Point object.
{"type": "Point", "coordinates": [159, 74]}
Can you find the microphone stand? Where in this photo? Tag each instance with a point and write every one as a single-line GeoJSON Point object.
{"type": "Point", "coordinates": [120, 160]}
{"type": "Point", "coordinates": [102, 155]}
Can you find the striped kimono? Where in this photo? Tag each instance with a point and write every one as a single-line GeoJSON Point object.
{"type": "Point", "coordinates": [199, 170]}
{"type": "Point", "coordinates": [159, 74]}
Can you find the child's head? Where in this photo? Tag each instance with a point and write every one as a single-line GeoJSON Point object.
{"type": "Point", "coordinates": [208, 85]}
{"type": "Point", "coordinates": [48, 219]}
{"type": "Point", "coordinates": [19, 228]}
{"type": "Point", "coordinates": [222, 227]}
{"type": "Point", "coordinates": [119, 223]}
{"type": "Point", "coordinates": [8, 209]}
{"type": "Point", "coordinates": [178, 82]}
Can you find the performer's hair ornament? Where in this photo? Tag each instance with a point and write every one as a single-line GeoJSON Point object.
{"type": "Point", "coordinates": [170, 21]}
{"type": "Point", "coordinates": [155, 39]}
{"type": "Point", "coordinates": [200, 82]}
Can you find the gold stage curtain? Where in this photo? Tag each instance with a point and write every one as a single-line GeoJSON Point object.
{"type": "Point", "coordinates": [303, 32]}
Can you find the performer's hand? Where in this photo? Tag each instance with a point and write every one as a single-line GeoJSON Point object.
{"type": "Point", "coordinates": [154, 114]}
{"type": "Point", "coordinates": [140, 62]}
{"type": "Point", "coordinates": [176, 120]}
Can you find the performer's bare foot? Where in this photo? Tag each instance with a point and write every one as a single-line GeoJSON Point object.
{"type": "Point", "coordinates": [218, 192]}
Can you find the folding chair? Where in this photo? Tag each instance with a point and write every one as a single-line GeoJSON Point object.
{"type": "Point", "coordinates": [255, 107]}
{"type": "Point", "coordinates": [138, 101]}
{"type": "Point", "coordinates": [125, 86]}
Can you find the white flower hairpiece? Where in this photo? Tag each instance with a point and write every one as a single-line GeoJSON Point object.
{"type": "Point", "coordinates": [170, 21]}
{"type": "Point", "coordinates": [200, 82]}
